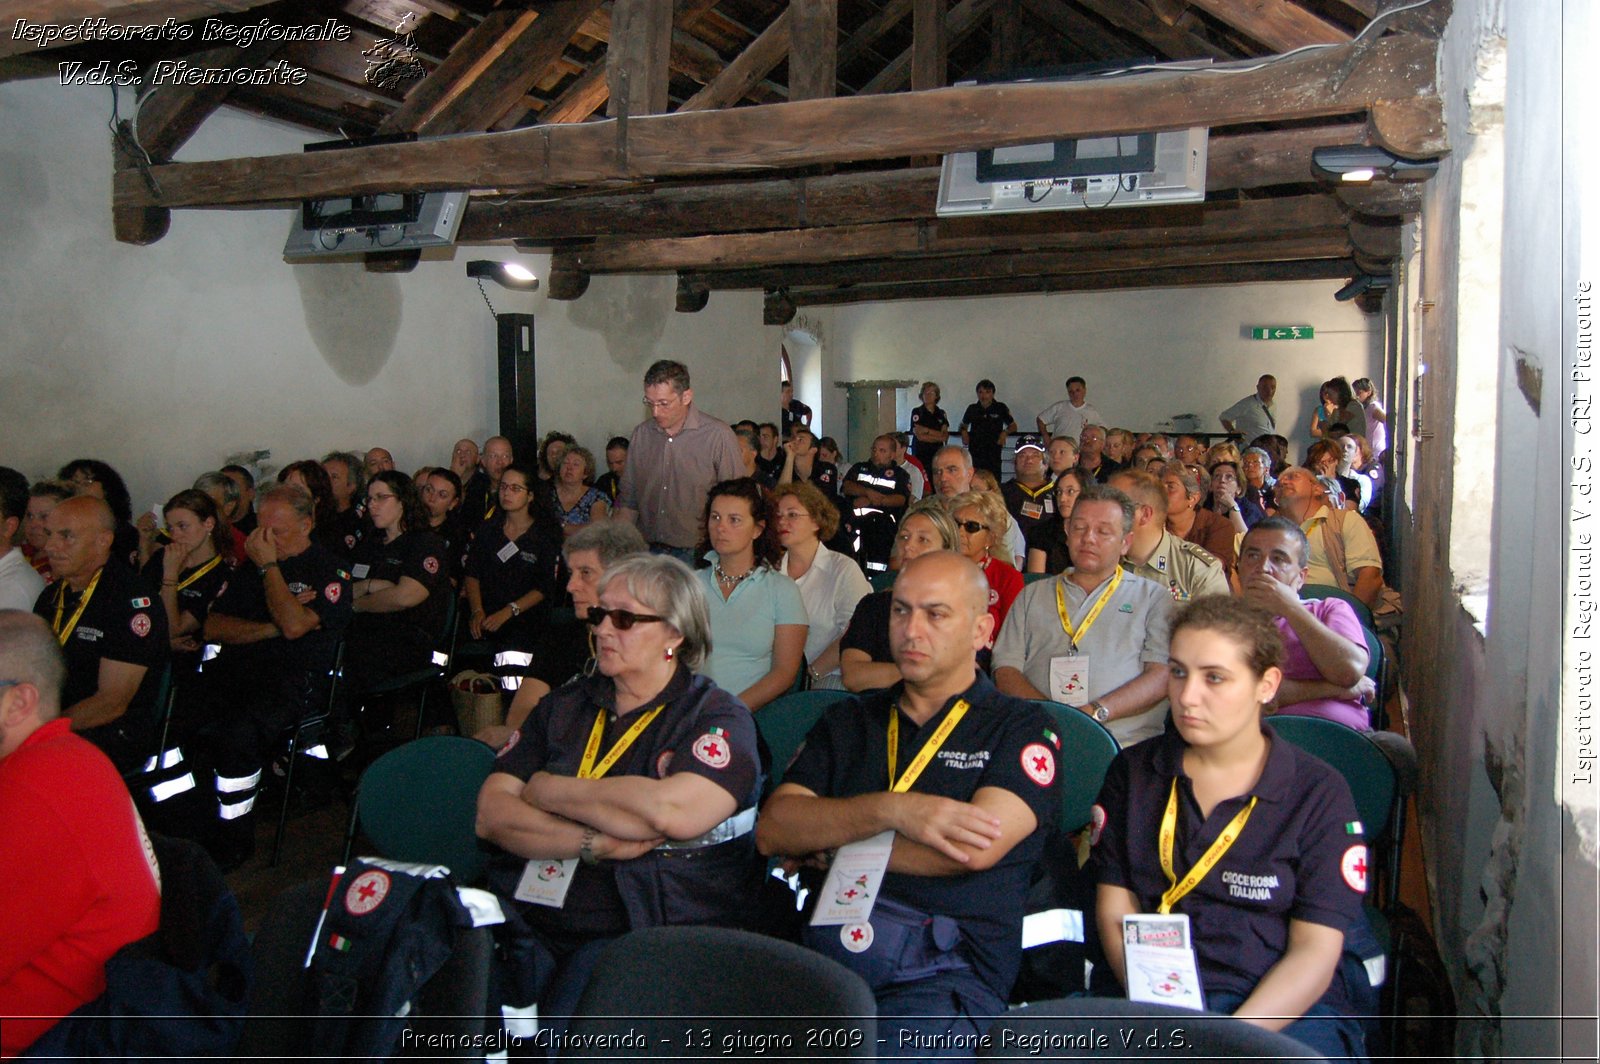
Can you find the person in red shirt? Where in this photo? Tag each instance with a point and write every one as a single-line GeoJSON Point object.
{"type": "Point", "coordinates": [79, 875]}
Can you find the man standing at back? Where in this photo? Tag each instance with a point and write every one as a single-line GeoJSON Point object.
{"type": "Point", "coordinates": [1252, 416]}
{"type": "Point", "coordinates": [1070, 415]}
{"type": "Point", "coordinates": [673, 459]}
{"type": "Point", "coordinates": [985, 426]}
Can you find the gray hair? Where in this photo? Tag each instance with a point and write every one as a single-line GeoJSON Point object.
{"type": "Point", "coordinates": [207, 482]}
{"type": "Point", "coordinates": [955, 448]}
{"type": "Point", "coordinates": [29, 653]}
{"type": "Point", "coordinates": [611, 540]}
{"type": "Point", "coordinates": [355, 463]}
{"type": "Point", "coordinates": [671, 589]}
{"type": "Point", "coordinates": [1106, 493]}
{"type": "Point", "coordinates": [298, 498]}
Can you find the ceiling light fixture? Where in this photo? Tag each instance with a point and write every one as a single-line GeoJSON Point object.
{"type": "Point", "coordinates": [512, 275]}
{"type": "Point", "coordinates": [1362, 162]}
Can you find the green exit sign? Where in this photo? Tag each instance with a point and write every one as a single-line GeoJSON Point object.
{"type": "Point", "coordinates": [1282, 332]}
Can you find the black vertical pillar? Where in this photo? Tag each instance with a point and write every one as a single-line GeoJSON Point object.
{"type": "Point", "coordinates": [519, 416]}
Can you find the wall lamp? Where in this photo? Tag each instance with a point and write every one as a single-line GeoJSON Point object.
{"type": "Point", "coordinates": [1361, 162]}
{"type": "Point", "coordinates": [511, 275]}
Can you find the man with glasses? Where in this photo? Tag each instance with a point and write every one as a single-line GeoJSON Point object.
{"type": "Point", "coordinates": [80, 876]}
{"type": "Point", "coordinates": [674, 457]}
{"type": "Point", "coordinates": [481, 494]}
{"type": "Point", "coordinates": [1094, 637]}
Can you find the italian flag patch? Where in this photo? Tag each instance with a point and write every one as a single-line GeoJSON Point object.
{"type": "Point", "coordinates": [340, 943]}
{"type": "Point", "coordinates": [1353, 828]}
{"type": "Point", "coordinates": [1055, 740]}
{"type": "Point", "coordinates": [719, 732]}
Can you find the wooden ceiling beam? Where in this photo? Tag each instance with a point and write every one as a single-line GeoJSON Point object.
{"type": "Point", "coordinates": [930, 47]}
{"type": "Point", "coordinates": [1079, 29]}
{"type": "Point", "coordinates": [813, 49]}
{"type": "Point", "coordinates": [742, 256]}
{"type": "Point", "coordinates": [638, 58]}
{"type": "Point", "coordinates": [168, 118]}
{"type": "Point", "coordinates": [1158, 277]}
{"type": "Point", "coordinates": [582, 98]}
{"type": "Point", "coordinates": [1240, 161]}
{"type": "Point", "coordinates": [872, 30]}
{"type": "Point", "coordinates": [770, 48]}
{"type": "Point", "coordinates": [492, 67]}
{"type": "Point", "coordinates": [962, 19]}
{"type": "Point", "coordinates": [1333, 81]}
{"type": "Point", "coordinates": [1172, 41]}
{"type": "Point", "coordinates": [1280, 25]}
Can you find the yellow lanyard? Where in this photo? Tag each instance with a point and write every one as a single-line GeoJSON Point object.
{"type": "Point", "coordinates": [588, 770]}
{"type": "Point", "coordinates": [1208, 860]}
{"type": "Point", "coordinates": [63, 634]}
{"type": "Point", "coordinates": [1035, 493]}
{"type": "Point", "coordinates": [1075, 634]}
{"type": "Point", "coordinates": [929, 748]}
{"type": "Point", "coordinates": [202, 571]}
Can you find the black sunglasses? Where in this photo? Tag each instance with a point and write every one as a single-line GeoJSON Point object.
{"type": "Point", "coordinates": [973, 527]}
{"type": "Point", "coordinates": [622, 620]}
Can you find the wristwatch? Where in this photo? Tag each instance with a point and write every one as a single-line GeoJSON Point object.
{"type": "Point", "coordinates": [586, 852]}
{"type": "Point", "coordinates": [1100, 712]}
{"type": "Point", "coordinates": [514, 608]}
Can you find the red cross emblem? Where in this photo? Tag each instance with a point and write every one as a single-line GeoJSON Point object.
{"type": "Point", "coordinates": [851, 893]}
{"type": "Point", "coordinates": [857, 938]}
{"type": "Point", "coordinates": [856, 935]}
{"type": "Point", "coordinates": [710, 750]}
{"type": "Point", "coordinates": [367, 892]}
{"type": "Point", "coordinates": [1039, 763]}
{"type": "Point", "coordinates": [1353, 866]}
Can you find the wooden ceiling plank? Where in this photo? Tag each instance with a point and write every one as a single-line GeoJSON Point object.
{"type": "Point", "coordinates": [930, 55]}
{"type": "Point", "coordinates": [582, 98]}
{"type": "Point", "coordinates": [813, 49]}
{"type": "Point", "coordinates": [167, 118]}
{"type": "Point", "coordinates": [1084, 230]}
{"type": "Point", "coordinates": [965, 17]}
{"type": "Point", "coordinates": [869, 32]}
{"type": "Point", "coordinates": [1334, 81]}
{"type": "Point", "coordinates": [638, 58]}
{"type": "Point", "coordinates": [1280, 25]}
{"type": "Point", "coordinates": [1239, 161]}
{"type": "Point", "coordinates": [1171, 41]}
{"type": "Point", "coordinates": [764, 53]}
{"type": "Point", "coordinates": [1175, 277]}
{"type": "Point", "coordinates": [1079, 29]}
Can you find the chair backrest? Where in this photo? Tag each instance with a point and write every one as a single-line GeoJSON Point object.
{"type": "Point", "coordinates": [1374, 656]}
{"type": "Point", "coordinates": [1087, 750]}
{"type": "Point", "coordinates": [1318, 591]}
{"type": "Point", "coordinates": [1034, 578]}
{"type": "Point", "coordinates": [1079, 1027]}
{"type": "Point", "coordinates": [784, 723]}
{"type": "Point", "coordinates": [881, 579]}
{"type": "Point", "coordinates": [732, 983]}
{"type": "Point", "coordinates": [418, 802]}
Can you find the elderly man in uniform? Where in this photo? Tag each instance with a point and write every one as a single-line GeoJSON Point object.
{"type": "Point", "coordinates": [1344, 553]}
{"type": "Point", "coordinates": [112, 629]}
{"type": "Point", "coordinates": [278, 623]}
{"type": "Point", "coordinates": [1183, 568]}
{"type": "Point", "coordinates": [348, 477]}
{"type": "Point", "coordinates": [952, 474]}
{"type": "Point", "coordinates": [674, 456]}
{"type": "Point", "coordinates": [79, 873]}
{"type": "Point", "coordinates": [1094, 637]}
{"type": "Point", "coordinates": [951, 787]}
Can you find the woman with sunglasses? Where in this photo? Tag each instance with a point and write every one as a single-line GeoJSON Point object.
{"type": "Point", "coordinates": [865, 661]}
{"type": "Point", "coordinates": [980, 518]}
{"type": "Point", "coordinates": [628, 799]}
{"type": "Point", "coordinates": [511, 570]}
{"type": "Point", "coordinates": [400, 579]}
{"type": "Point", "coordinates": [758, 618]}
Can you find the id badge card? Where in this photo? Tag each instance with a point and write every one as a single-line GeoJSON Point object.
{"type": "Point", "coordinates": [546, 882]}
{"type": "Point", "coordinates": [1069, 679]}
{"type": "Point", "coordinates": [1033, 510]}
{"type": "Point", "coordinates": [1160, 961]}
{"type": "Point", "coordinates": [853, 880]}
{"type": "Point", "coordinates": [359, 572]}
{"type": "Point", "coordinates": [507, 552]}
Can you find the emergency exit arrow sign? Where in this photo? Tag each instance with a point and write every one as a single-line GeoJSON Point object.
{"type": "Point", "coordinates": [1282, 332]}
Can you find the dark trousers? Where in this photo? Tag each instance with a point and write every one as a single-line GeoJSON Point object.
{"type": "Point", "coordinates": [938, 1017]}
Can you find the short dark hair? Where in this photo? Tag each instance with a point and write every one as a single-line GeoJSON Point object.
{"type": "Point", "coordinates": [767, 425]}
{"type": "Point", "coordinates": [617, 441]}
{"type": "Point", "coordinates": [448, 476]}
{"type": "Point", "coordinates": [766, 548]}
{"type": "Point", "coordinates": [985, 383]}
{"type": "Point", "coordinates": [1289, 528]}
{"type": "Point", "coordinates": [249, 477]}
{"type": "Point", "coordinates": [666, 371]}
{"type": "Point", "coordinates": [1077, 380]}
{"type": "Point", "coordinates": [13, 496]}
{"type": "Point", "coordinates": [110, 482]}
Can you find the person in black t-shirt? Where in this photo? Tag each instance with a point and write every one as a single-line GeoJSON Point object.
{"type": "Point", "coordinates": [191, 571]}
{"type": "Point", "coordinates": [511, 573]}
{"type": "Point", "coordinates": [985, 426]}
{"type": "Point", "coordinates": [400, 579]}
{"type": "Point", "coordinates": [112, 630]}
{"type": "Point", "coordinates": [965, 777]}
{"type": "Point", "coordinates": [877, 492]}
{"type": "Point", "coordinates": [795, 413]}
{"type": "Point", "coordinates": [769, 454]}
{"type": "Point", "coordinates": [930, 428]}
{"type": "Point", "coordinates": [278, 625]}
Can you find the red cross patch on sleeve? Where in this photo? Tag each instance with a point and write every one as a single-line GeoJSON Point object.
{"type": "Point", "coordinates": [1039, 762]}
{"type": "Point", "coordinates": [712, 749]}
{"type": "Point", "coordinates": [332, 591]}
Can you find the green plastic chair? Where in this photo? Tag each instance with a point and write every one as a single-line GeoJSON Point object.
{"type": "Point", "coordinates": [784, 723]}
{"type": "Point", "coordinates": [1087, 750]}
{"type": "Point", "coordinates": [419, 802]}
{"type": "Point", "coordinates": [1034, 578]}
{"type": "Point", "coordinates": [881, 579]}
{"type": "Point", "coordinates": [1321, 591]}
{"type": "Point", "coordinates": [1377, 666]}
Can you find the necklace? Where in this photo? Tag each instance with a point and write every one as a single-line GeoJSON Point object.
{"type": "Point", "coordinates": [731, 581]}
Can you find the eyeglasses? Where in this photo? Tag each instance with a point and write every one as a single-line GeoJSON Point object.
{"type": "Point", "coordinates": [513, 488]}
{"type": "Point", "coordinates": [973, 527]}
{"type": "Point", "coordinates": [662, 404]}
{"type": "Point", "coordinates": [374, 496]}
{"type": "Point", "coordinates": [622, 620]}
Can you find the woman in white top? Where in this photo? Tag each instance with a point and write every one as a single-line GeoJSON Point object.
{"type": "Point", "coordinates": [831, 585]}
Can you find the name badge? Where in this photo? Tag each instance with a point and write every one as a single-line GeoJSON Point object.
{"type": "Point", "coordinates": [853, 881]}
{"type": "Point", "coordinates": [546, 882]}
{"type": "Point", "coordinates": [1032, 510]}
{"type": "Point", "coordinates": [1160, 961]}
{"type": "Point", "coordinates": [1069, 679]}
{"type": "Point", "coordinates": [359, 572]}
{"type": "Point", "coordinates": [507, 552]}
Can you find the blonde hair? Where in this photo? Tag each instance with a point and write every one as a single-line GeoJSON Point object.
{"type": "Point", "coordinates": [992, 511]}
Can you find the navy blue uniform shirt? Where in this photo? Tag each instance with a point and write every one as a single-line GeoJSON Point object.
{"type": "Point", "coordinates": [1301, 856]}
{"type": "Point", "coordinates": [1002, 742]}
